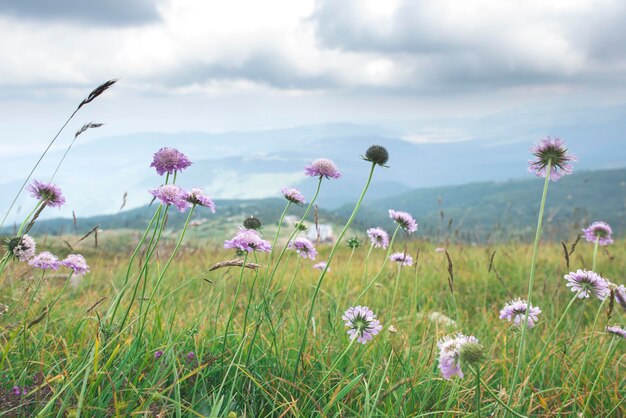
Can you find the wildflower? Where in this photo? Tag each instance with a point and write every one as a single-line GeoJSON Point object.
{"type": "Point", "coordinates": [450, 353]}
{"type": "Point", "coordinates": [248, 240]}
{"type": "Point", "coordinates": [293, 195]}
{"type": "Point", "coordinates": [553, 152]}
{"type": "Point", "coordinates": [169, 160]}
{"type": "Point", "coordinates": [49, 193]}
{"type": "Point", "coordinates": [402, 259]}
{"type": "Point", "coordinates": [353, 243]}
{"type": "Point", "coordinates": [197, 197]}
{"type": "Point", "coordinates": [158, 354]}
{"type": "Point", "coordinates": [304, 247]}
{"type": "Point", "coordinates": [16, 391]}
{"type": "Point", "coordinates": [191, 356]}
{"type": "Point", "coordinates": [77, 263]}
{"type": "Point", "coordinates": [472, 353]}
{"type": "Point", "coordinates": [403, 219]}
{"type": "Point", "coordinates": [321, 266]}
{"type": "Point", "coordinates": [22, 248]}
{"type": "Point", "coordinates": [171, 194]}
{"type": "Point", "coordinates": [620, 295]}
{"type": "Point", "coordinates": [377, 154]}
{"type": "Point", "coordinates": [615, 330]}
{"type": "Point", "coordinates": [379, 237]}
{"type": "Point", "coordinates": [362, 323]}
{"type": "Point", "coordinates": [44, 260]}
{"type": "Point", "coordinates": [600, 231]}
{"type": "Point", "coordinates": [587, 282]}
{"type": "Point", "coordinates": [252, 223]}
{"type": "Point", "coordinates": [515, 311]}
{"type": "Point", "coordinates": [3, 308]}
{"type": "Point", "coordinates": [322, 168]}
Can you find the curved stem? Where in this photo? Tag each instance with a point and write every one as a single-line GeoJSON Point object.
{"type": "Point", "coordinates": [280, 223]}
{"type": "Point", "coordinates": [595, 254]}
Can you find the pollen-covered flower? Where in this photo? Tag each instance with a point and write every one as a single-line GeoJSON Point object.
{"type": "Point", "coordinates": [197, 197]}
{"type": "Point", "coordinates": [22, 248]}
{"type": "Point", "coordinates": [515, 311]}
{"type": "Point", "coordinates": [49, 193]}
{"type": "Point", "coordinates": [169, 160]}
{"type": "Point", "coordinates": [402, 259]}
{"type": "Point", "coordinates": [379, 237]}
{"type": "Point", "coordinates": [77, 263]}
{"type": "Point", "coordinates": [615, 330]}
{"type": "Point", "coordinates": [587, 283]}
{"type": "Point", "coordinates": [377, 154]}
{"type": "Point", "coordinates": [248, 240]}
{"type": "Point", "coordinates": [304, 247]}
{"type": "Point", "coordinates": [362, 323]}
{"type": "Point", "coordinates": [171, 194]}
{"type": "Point", "coordinates": [321, 266]}
{"type": "Point", "coordinates": [45, 260]}
{"type": "Point", "coordinates": [293, 195]}
{"type": "Point", "coordinates": [450, 354]}
{"type": "Point", "coordinates": [600, 231]}
{"type": "Point", "coordinates": [404, 219]}
{"type": "Point", "coordinates": [553, 152]}
{"type": "Point", "coordinates": [322, 168]}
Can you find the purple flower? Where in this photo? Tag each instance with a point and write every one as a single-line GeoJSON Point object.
{"type": "Point", "coordinates": [197, 197]}
{"type": "Point", "coordinates": [362, 323]}
{"type": "Point", "coordinates": [77, 263]}
{"type": "Point", "coordinates": [615, 330]}
{"type": "Point", "coordinates": [379, 237]}
{"type": "Point", "coordinates": [24, 250]}
{"type": "Point", "coordinates": [403, 219]}
{"type": "Point", "coordinates": [49, 193]}
{"type": "Point", "coordinates": [45, 260]}
{"type": "Point", "coordinates": [248, 240]}
{"type": "Point", "coordinates": [586, 283]}
{"type": "Point", "coordinates": [16, 391]}
{"type": "Point", "coordinates": [620, 295]}
{"type": "Point", "coordinates": [322, 168]}
{"type": "Point", "coordinates": [402, 259]}
{"type": "Point", "coordinates": [321, 266]}
{"type": "Point", "coordinates": [293, 195]}
{"type": "Point", "coordinates": [450, 354]}
{"type": "Point", "coordinates": [515, 311]}
{"type": "Point", "coordinates": [158, 354]}
{"type": "Point", "coordinates": [551, 151]}
{"type": "Point", "coordinates": [191, 356]}
{"type": "Point", "coordinates": [170, 194]}
{"type": "Point", "coordinates": [304, 247]}
{"type": "Point", "coordinates": [600, 231]}
{"type": "Point", "coordinates": [169, 160]}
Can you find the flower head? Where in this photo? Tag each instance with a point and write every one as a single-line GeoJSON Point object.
{"type": "Point", "coordinates": [158, 354]}
{"type": "Point", "coordinates": [197, 197]}
{"type": "Point", "coordinates": [620, 295]}
{"type": "Point", "coordinates": [553, 152]}
{"type": "Point", "coordinates": [362, 323]}
{"type": "Point", "coordinates": [472, 353]}
{"type": "Point", "coordinates": [403, 259]}
{"type": "Point", "coordinates": [404, 219]}
{"type": "Point", "coordinates": [615, 330]}
{"type": "Point", "coordinates": [252, 222]}
{"type": "Point", "coordinates": [77, 263]}
{"type": "Point", "coordinates": [45, 260]}
{"type": "Point", "coordinates": [248, 240]}
{"type": "Point", "coordinates": [304, 247]}
{"type": "Point", "coordinates": [378, 237]}
{"type": "Point", "coordinates": [171, 194]}
{"type": "Point", "coordinates": [22, 248]}
{"type": "Point", "coordinates": [321, 266]}
{"type": "Point", "coordinates": [586, 283]}
{"type": "Point", "coordinates": [322, 168]}
{"type": "Point", "coordinates": [169, 160]}
{"type": "Point", "coordinates": [353, 243]}
{"type": "Point", "coordinates": [450, 354]}
{"type": "Point", "coordinates": [515, 311]}
{"type": "Point", "coordinates": [600, 231]}
{"type": "Point", "coordinates": [191, 356]}
{"type": "Point", "coordinates": [49, 193]}
{"type": "Point", "coordinates": [293, 195]}
{"type": "Point", "coordinates": [377, 154]}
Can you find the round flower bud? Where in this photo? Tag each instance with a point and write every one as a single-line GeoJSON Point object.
{"type": "Point", "coordinates": [377, 154]}
{"type": "Point", "coordinates": [252, 223]}
{"type": "Point", "coordinates": [472, 353]}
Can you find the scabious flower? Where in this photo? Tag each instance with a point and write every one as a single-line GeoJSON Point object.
{"type": "Point", "coordinates": [515, 311]}
{"type": "Point", "coordinates": [77, 263]}
{"type": "Point", "coordinates": [402, 259]}
{"type": "Point", "coordinates": [404, 219]}
{"type": "Point", "coordinates": [586, 283]}
{"type": "Point", "coordinates": [304, 247]}
{"type": "Point", "coordinates": [158, 354]}
{"type": "Point", "coordinates": [321, 266]}
{"type": "Point", "coordinates": [169, 160]}
{"type": "Point", "coordinates": [293, 195]}
{"type": "Point", "coordinates": [248, 240]}
{"type": "Point", "coordinates": [45, 260]}
{"type": "Point", "coordinates": [22, 248]}
{"type": "Point", "coordinates": [322, 168]}
{"type": "Point", "coordinates": [600, 231]}
{"type": "Point", "coordinates": [615, 330]}
{"type": "Point", "coordinates": [49, 193]}
{"type": "Point", "coordinates": [171, 194]}
{"type": "Point", "coordinates": [197, 197]}
{"type": "Point", "coordinates": [379, 237]}
{"type": "Point", "coordinates": [362, 323]}
{"type": "Point", "coordinates": [450, 354]}
{"type": "Point", "coordinates": [377, 154]}
{"type": "Point", "coordinates": [551, 151]}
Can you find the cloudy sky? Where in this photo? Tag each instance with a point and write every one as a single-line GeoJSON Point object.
{"type": "Point", "coordinates": [208, 65]}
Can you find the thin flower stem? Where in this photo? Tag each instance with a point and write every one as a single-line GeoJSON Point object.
{"type": "Point", "coordinates": [335, 364]}
{"type": "Point", "coordinates": [293, 279]}
{"type": "Point", "coordinates": [478, 391]}
{"type": "Point", "coordinates": [367, 259]}
{"type": "Point", "coordinates": [280, 223]}
{"type": "Point", "coordinates": [498, 400]}
{"type": "Point", "coordinates": [344, 284]}
{"type": "Point", "coordinates": [234, 304]}
{"type": "Point", "coordinates": [595, 254]}
{"type": "Point", "coordinates": [395, 288]}
{"type": "Point", "coordinates": [600, 372]}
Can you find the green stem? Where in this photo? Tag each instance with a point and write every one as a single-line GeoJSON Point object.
{"type": "Point", "coordinates": [498, 400]}
{"type": "Point", "coordinates": [234, 304]}
{"type": "Point", "coordinates": [595, 254]}
{"type": "Point", "coordinates": [600, 372]}
{"type": "Point", "coordinates": [478, 391]}
{"type": "Point", "coordinates": [280, 223]}
{"type": "Point", "coordinates": [369, 252]}
{"type": "Point", "coordinates": [395, 288]}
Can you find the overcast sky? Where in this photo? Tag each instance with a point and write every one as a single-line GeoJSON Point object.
{"type": "Point", "coordinates": [221, 65]}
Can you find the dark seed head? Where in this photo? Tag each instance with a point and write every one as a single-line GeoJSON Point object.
{"type": "Point", "coordinates": [252, 223]}
{"type": "Point", "coordinates": [377, 154]}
